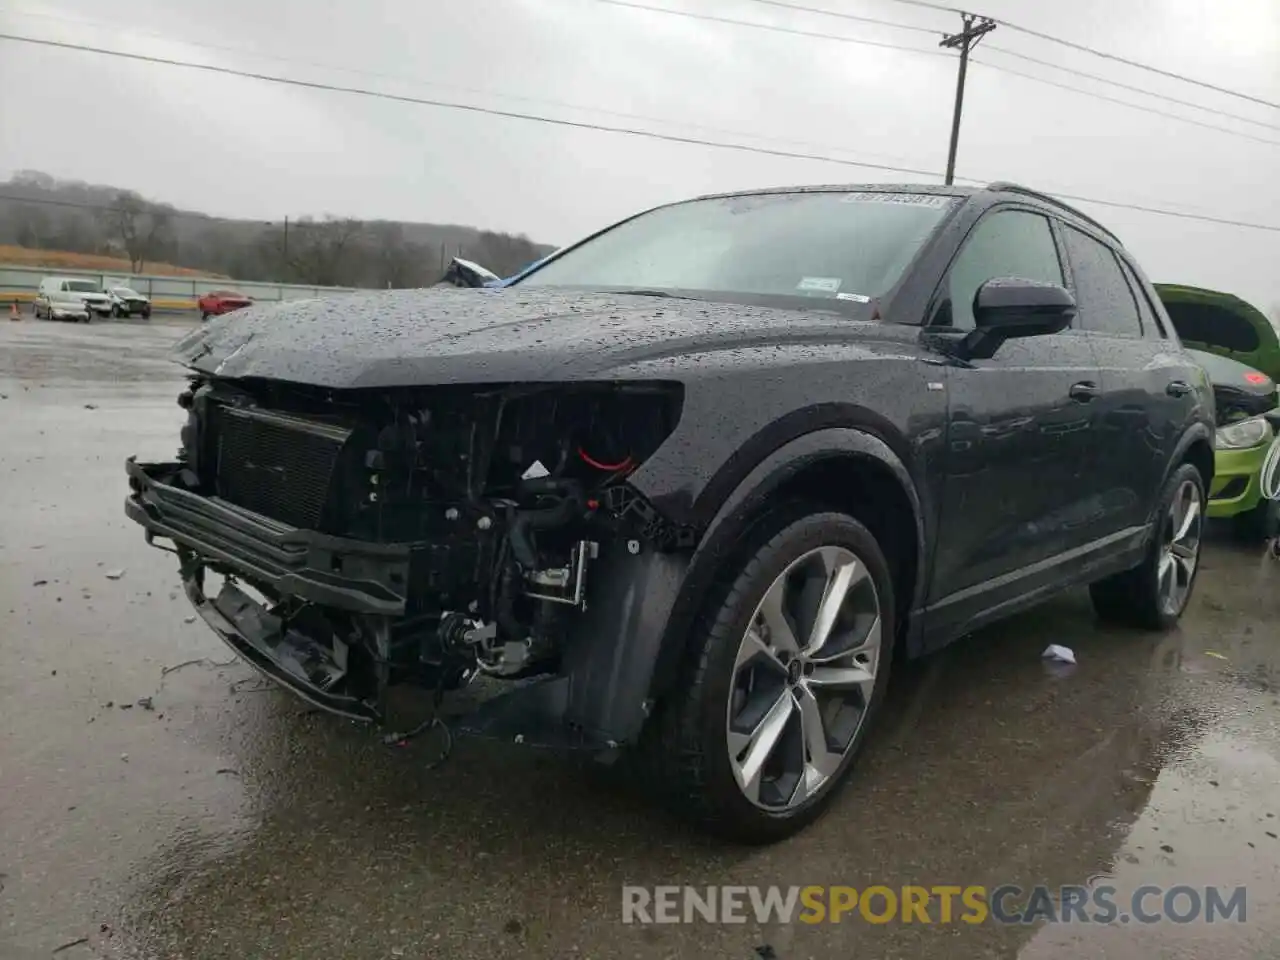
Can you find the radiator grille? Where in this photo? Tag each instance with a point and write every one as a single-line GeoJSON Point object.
{"type": "Point", "coordinates": [276, 465]}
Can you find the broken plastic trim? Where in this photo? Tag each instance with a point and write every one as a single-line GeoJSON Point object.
{"type": "Point", "coordinates": [258, 638]}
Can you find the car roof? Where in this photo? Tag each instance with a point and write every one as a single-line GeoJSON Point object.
{"type": "Point", "coordinates": [996, 188]}
{"type": "Point", "coordinates": [931, 189]}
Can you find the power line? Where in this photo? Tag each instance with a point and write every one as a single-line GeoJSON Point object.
{"type": "Point", "coordinates": [417, 81]}
{"type": "Point", "coordinates": [1115, 58]}
{"type": "Point", "coordinates": [1013, 53]}
{"type": "Point", "coordinates": [850, 16]}
{"type": "Point", "coordinates": [1124, 103]}
{"type": "Point", "coordinates": [813, 34]}
{"type": "Point", "coordinates": [1072, 45]}
{"type": "Point", "coordinates": [108, 208]}
{"type": "Point", "coordinates": [838, 38]}
{"type": "Point", "coordinates": [312, 85]}
{"type": "Point", "coordinates": [1128, 86]}
{"type": "Point", "coordinates": [465, 107]}
{"type": "Point", "coordinates": [401, 78]}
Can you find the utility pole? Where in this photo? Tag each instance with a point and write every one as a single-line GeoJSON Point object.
{"type": "Point", "coordinates": [286, 238]}
{"type": "Point", "coordinates": [975, 28]}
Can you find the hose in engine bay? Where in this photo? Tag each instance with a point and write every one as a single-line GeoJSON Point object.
{"type": "Point", "coordinates": [524, 522]}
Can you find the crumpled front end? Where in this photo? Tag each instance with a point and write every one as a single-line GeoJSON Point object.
{"type": "Point", "coordinates": [367, 539]}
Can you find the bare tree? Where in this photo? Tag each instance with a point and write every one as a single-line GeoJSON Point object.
{"type": "Point", "coordinates": [140, 226]}
{"type": "Point", "coordinates": [395, 261]}
{"type": "Point", "coordinates": [324, 252]}
{"type": "Point", "coordinates": [504, 253]}
{"type": "Point", "coordinates": [31, 227]}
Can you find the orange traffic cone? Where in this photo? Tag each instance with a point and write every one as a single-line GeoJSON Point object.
{"type": "Point", "coordinates": [14, 314]}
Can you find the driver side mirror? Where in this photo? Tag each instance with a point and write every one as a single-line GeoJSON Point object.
{"type": "Point", "coordinates": [1006, 308]}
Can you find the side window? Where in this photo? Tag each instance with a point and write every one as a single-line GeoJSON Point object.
{"type": "Point", "coordinates": [1151, 325]}
{"type": "Point", "coordinates": [1007, 243]}
{"type": "Point", "coordinates": [1103, 296]}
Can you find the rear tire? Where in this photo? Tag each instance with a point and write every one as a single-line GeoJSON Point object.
{"type": "Point", "coordinates": [1146, 596]}
{"type": "Point", "coordinates": [764, 725]}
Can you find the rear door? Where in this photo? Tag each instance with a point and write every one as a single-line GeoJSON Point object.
{"type": "Point", "coordinates": [1151, 389]}
{"type": "Point", "coordinates": [1021, 477]}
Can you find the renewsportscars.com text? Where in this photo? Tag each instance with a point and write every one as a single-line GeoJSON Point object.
{"type": "Point", "coordinates": [939, 904]}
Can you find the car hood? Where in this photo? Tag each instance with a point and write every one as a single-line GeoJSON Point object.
{"type": "Point", "coordinates": [397, 338]}
{"type": "Point", "coordinates": [1221, 323]}
{"type": "Point", "coordinates": [1238, 389]}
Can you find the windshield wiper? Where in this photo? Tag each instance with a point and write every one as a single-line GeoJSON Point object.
{"type": "Point", "coordinates": [663, 294]}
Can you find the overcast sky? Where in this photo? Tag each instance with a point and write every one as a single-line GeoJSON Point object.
{"type": "Point", "coordinates": [243, 147]}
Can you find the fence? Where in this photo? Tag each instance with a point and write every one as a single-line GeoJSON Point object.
{"type": "Point", "coordinates": [165, 293]}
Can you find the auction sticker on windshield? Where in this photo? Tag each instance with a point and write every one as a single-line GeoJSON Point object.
{"type": "Point", "coordinates": [819, 284]}
{"type": "Point", "coordinates": [919, 199]}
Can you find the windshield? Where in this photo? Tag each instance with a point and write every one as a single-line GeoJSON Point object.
{"type": "Point", "coordinates": [82, 286]}
{"type": "Point", "coordinates": [829, 245]}
{"type": "Point", "coordinates": [124, 292]}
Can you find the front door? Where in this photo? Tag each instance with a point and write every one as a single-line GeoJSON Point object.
{"type": "Point", "coordinates": [1020, 489]}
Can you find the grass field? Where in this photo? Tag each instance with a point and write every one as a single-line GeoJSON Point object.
{"type": "Point", "coordinates": [66, 260]}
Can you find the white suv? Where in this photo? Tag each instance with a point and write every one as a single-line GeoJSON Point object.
{"type": "Point", "coordinates": [70, 298]}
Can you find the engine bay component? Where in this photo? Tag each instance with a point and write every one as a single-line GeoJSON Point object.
{"type": "Point", "coordinates": [567, 584]}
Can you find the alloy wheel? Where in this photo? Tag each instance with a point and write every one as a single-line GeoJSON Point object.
{"type": "Point", "coordinates": [803, 678]}
{"type": "Point", "coordinates": [1180, 549]}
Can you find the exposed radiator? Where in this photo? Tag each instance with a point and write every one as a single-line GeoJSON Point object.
{"type": "Point", "coordinates": [274, 464]}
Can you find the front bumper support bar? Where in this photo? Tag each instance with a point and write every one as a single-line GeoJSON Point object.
{"type": "Point", "coordinates": [352, 575]}
{"type": "Point", "coordinates": [307, 668]}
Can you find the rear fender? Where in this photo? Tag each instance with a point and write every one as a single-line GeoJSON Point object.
{"type": "Point", "coordinates": [1198, 433]}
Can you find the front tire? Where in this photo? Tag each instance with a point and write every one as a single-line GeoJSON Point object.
{"type": "Point", "coordinates": [1154, 594]}
{"type": "Point", "coordinates": [787, 669]}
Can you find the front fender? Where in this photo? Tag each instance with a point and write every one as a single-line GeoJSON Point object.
{"type": "Point", "coordinates": [626, 650]}
{"type": "Point", "coordinates": [746, 503]}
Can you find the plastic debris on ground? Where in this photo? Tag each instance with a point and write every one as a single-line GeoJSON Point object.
{"type": "Point", "coordinates": [1058, 654]}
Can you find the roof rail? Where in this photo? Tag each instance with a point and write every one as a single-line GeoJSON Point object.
{"type": "Point", "coordinates": [1006, 187]}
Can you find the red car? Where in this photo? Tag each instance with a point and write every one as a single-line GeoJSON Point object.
{"type": "Point", "coordinates": [217, 302]}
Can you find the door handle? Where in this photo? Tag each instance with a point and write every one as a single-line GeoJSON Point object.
{"type": "Point", "coordinates": [1084, 391]}
{"type": "Point", "coordinates": [1178, 388]}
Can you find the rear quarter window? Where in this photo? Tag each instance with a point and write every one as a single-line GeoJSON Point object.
{"type": "Point", "coordinates": [1152, 326]}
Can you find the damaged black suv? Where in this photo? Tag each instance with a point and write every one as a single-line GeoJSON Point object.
{"type": "Point", "coordinates": [690, 484]}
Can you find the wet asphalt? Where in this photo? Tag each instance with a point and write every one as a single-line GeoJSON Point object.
{"type": "Point", "coordinates": [157, 800]}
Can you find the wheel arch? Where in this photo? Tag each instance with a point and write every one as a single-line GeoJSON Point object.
{"type": "Point", "coordinates": [1198, 451]}
{"type": "Point", "coordinates": [847, 468]}
{"type": "Point", "coordinates": [1195, 446]}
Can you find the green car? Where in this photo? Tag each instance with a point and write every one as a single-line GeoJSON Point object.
{"type": "Point", "coordinates": [1240, 350]}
